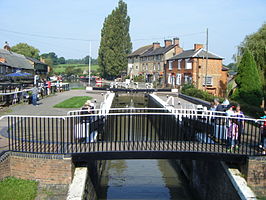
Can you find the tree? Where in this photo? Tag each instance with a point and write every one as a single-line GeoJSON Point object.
{"type": "Point", "coordinates": [256, 44]}
{"type": "Point", "coordinates": [26, 50]}
{"type": "Point", "coordinates": [115, 42]}
{"type": "Point", "coordinates": [61, 60]}
{"type": "Point", "coordinates": [249, 86]}
{"type": "Point", "coordinates": [52, 56]}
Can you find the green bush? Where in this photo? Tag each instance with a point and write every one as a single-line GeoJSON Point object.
{"type": "Point", "coordinates": [250, 110]}
{"type": "Point", "coordinates": [139, 78]}
{"type": "Point", "coordinates": [190, 90]}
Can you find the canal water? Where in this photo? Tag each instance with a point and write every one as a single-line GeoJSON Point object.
{"type": "Point", "coordinates": [141, 179]}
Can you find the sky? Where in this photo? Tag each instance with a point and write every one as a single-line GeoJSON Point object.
{"type": "Point", "coordinates": [66, 27]}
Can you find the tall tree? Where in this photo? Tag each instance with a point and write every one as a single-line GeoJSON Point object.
{"type": "Point", "coordinates": [249, 86]}
{"type": "Point", "coordinates": [115, 42]}
{"type": "Point", "coordinates": [52, 56]}
{"type": "Point", "coordinates": [256, 44]}
{"type": "Point", "coordinates": [26, 50]}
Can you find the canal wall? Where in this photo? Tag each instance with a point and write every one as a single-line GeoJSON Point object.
{"type": "Point", "coordinates": [211, 179]}
{"type": "Point", "coordinates": [255, 173]}
{"type": "Point", "coordinates": [48, 170]}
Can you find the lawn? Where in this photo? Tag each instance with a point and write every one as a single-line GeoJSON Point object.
{"type": "Point", "coordinates": [17, 189]}
{"type": "Point", "coordinates": [73, 102]}
{"type": "Point", "coordinates": [61, 68]}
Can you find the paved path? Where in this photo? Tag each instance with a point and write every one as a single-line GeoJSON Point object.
{"type": "Point", "coordinates": [45, 107]}
{"type": "Point", "coordinates": [178, 102]}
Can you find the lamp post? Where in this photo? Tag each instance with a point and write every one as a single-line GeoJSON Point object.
{"type": "Point", "coordinates": [90, 66]}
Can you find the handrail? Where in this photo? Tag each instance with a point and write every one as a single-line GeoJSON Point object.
{"type": "Point", "coordinates": [136, 113]}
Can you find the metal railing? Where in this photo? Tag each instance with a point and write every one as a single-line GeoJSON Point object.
{"type": "Point", "coordinates": [127, 129]}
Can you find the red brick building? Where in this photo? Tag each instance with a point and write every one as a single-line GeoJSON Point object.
{"type": "Point", "coordinates": [190, 67]}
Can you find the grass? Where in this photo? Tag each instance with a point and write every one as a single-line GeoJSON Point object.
{"type": "Point", "coordinates": [61, 68]}
{"type": "Point", "coordinates": [17, 189]}
{"type": "Point", "coordinates": [74, 102]}
{"type": "Point", "coordinates": [79, 88]}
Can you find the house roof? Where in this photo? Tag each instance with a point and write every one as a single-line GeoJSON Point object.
{"type": "Point", "coordinates": [15, 60]}
{"type": "Point", "coordinates": [199, 53]}
{"type": "Point", "coordinates": [36, 61]}
{"type": "Point", "coordinates": [140, 50]}
{"type": "Point", "coordinates": [158, 51]}
{"type": "Point", "coordinates": [4, 64]}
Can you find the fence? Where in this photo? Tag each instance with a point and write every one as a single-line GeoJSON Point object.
{"type": "Point", "coordinates": [152, 129]}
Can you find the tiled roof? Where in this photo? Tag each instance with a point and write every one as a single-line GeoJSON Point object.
{"type": "Point", "coordinates": [140, 51]}
{"type": "Point", "coordinates": [36, 61]}
{"type": "Point", "coordinates": [4, 64]}
{"type": "Point", "coordinates": [200, 53]}
{"type": "Point", "coordinates": [158, 51]}
{"type": "Point", "coordinates": [15, 60]}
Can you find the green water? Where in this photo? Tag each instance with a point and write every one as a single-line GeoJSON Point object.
{"type": "Point", "coordinates": [141, 179]}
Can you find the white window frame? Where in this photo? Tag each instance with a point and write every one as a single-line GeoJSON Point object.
{"type": "Point", "coordinates": [178, 64]}
{"type": "Point", "coordinates": [188, 63]}
{"type": "Point", "coordinates": [178, 79]}
{"type": "Point", "coordinates": [169, 78]}
{"type": "Point", "coordinates": [170, 64]}
{"type": "Point", "coordinates": [208, 80]}
{"type": "Point", "coordinates": [154, 67]}
{"type": "Point", "coordinates": [159, 67]}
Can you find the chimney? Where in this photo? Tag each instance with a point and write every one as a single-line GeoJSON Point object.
{"type": "Point", "coordinates": [198, 46]}
{"type": "Point", "coordinates": [7, 47]}
{"type": "Point", "coordinates": [167, 43]}
{"type": "Point", "coordinates": [155, 45]}
{"type": "Point", "coordinates": [178, 49]}
{"type": "Point", "coordinates": [176, 41]}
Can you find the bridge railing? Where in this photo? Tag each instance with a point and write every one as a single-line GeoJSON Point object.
{"type": "Point", "coordinates": [135, 130]}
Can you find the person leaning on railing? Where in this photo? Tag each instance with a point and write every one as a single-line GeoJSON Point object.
{"type": "Point", "coordinates": [263, 134]}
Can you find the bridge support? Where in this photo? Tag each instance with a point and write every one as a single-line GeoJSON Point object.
{"type": "Point", "coordinates": [53, 172]}
{"type": "Point", "coordinates": [255, 173]}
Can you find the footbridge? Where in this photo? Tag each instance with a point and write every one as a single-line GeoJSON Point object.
{"type": "Point", "coordinates": [125, 133]}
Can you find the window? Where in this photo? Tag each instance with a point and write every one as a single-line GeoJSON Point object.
{"type": "Point", "coordinates": [154, 67]}
{"type": "Point", "coordinates": [146, 66]}
{"type": "Point", "coordinates": [169, 79]}
{"type": "Point", "coordinates": [188, 79]}
{"type": "Point", "coordinates": [137, 67]}
{"type": "Point", "coordinates": [178, 79]}
{"type": "Point", "coordinates": [178, 64]}
{"type": "Point", "coordinates": [207, 80]}
{"type": "Point", "coordinates": [158, 57]}
{"type": "Point", "coordinates": [170, 65]}
{"type": "Point", "coordinates": [159, 68]}
{"type": "Point", "coordinates": [188, 64]}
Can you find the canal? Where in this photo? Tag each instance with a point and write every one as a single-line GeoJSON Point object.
{"type": "Point", "coordinates": [141, 179]}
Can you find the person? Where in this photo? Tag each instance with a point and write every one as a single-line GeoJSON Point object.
{"type": "Point", "coordinates": [263, 134]}
{"type": "Point", "coordinates": [232, 135]}
{"type": "Point", "coordinates": [34, 95]}
{"type": "Point", "coordinates": [218, 106]}
{"type": "Point", "coordinates": [240, 122]}
{"type": "Point", "coordinates": [231, 129]}
{"type": "Point", "coordinates": [49, 85]}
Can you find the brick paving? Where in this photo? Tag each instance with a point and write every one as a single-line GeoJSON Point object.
{"type": "Point", "coordinates": [45, 107]}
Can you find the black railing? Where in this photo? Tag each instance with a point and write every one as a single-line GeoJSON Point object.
{"type": "Point", "coordinates": [135, 130]}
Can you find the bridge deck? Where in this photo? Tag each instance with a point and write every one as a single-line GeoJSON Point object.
{"type": "Point", "coordinates": [167, 146]}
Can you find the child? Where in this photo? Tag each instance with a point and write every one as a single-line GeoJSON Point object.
{"type": "Point", "coordinates": [232, 135]}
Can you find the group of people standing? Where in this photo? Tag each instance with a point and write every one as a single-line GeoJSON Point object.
{"type": "Point", "coordinates": [234, 124]}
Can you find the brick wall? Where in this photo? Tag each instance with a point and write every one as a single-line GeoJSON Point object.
{"type": "Point", "coordinates": [256, 175]}
{"type": "Point", "coordinates": [4, 166]}
{"type": "Point", "coordinates": [48, 170]}
{"type": "Point", "coordinates": [209, 180]}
